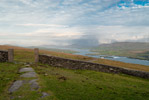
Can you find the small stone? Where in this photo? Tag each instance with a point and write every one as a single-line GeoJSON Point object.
{"type": "Point", "coordinates": [46, 74]}
{"type": "Point", "coordinates": [19, 96]}
{"type": "Point", "coordinates": [33, 84]}
{"type": "Point", "coordinates": [7, 78]}
{"type": "Point", "coordinates": [111, 69]}
{"type": "Point", "coordinates": [44, 94]}
{"type": "Point", "coordinates": [15, 86]}
{"type": "Point", "coordinates": [31, 63]}
{"type": "Point", "coordinates": [12, 97]}
{"type": "Point", "coordinates": [26, 70]}
{"type": "Point", "coordinates": [27, 65]}
{"type": "Point", "coordinates": [29, 75]}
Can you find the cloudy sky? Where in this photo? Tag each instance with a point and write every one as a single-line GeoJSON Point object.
{"type": "Point", "coordinates": [66, 22]}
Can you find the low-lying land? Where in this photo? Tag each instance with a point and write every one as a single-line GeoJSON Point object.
{"type": "Point", "coordinates": [128, 49]}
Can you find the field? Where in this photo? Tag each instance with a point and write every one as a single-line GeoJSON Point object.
{"type": "Point", "coordinates": [27, 55]}
{"type": "Point", "coordinates": [128, 49]}
{"type": "Point", "coordinates": [56, 50]}
{"type": "Point", "coordinates": [64, 84]}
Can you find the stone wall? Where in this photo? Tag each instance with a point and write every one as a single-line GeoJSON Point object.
{"type": "Point", "coordinates": [77, 64]}
{"type": "Point", "coordinates": [3, 56]}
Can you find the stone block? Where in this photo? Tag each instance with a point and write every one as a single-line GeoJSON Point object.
{"type": "Point", "coordinates": [10, 55]}
{"type": "Point", "coordinates": [36, 51]}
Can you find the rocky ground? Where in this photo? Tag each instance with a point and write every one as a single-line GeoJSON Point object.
{"type": "Point", "coordinates": [28, 77]}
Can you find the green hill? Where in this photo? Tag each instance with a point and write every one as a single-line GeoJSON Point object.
{"type": "Point", "coordinates": [65, 84]}
{"type": "Point", "coordinates": [130, 49]}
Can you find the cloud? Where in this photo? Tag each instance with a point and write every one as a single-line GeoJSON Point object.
{"type": "Point", "coordinates": [41, 25]}
{"type": "Point", "coordinates": [43, 36]}
{"type": "Point", "coordinates": [108, 34]}
{"type": "Point", "coordinates": [67, 21]}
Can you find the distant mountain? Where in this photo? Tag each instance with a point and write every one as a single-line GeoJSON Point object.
{"type": "Point", "coordinates": [125, 46]}
{"type": "Point", "coordinates": [5, 47]}
{"type": "Point", "coordinates": [47, 47]}
{"type": "Point", "coordinates": [54, 48]}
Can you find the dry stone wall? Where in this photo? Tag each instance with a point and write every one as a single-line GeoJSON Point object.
{"type": "Point", "coordinates": [77, 64]}
{"type": "Point", "coordinates": [3, 56]}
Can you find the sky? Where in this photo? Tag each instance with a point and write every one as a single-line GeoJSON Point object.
{"type": "Point", "coordinates": [67, 22]}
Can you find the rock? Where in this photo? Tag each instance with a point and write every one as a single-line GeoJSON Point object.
{"type": "Point", "coordinates": [19, 96]}
{"type": "Point", "coordinates": [12, 97]}
{"type": "Point", "coordinates": [27, 65]}
{"type": "Point", "coordinates": [31, 63]}
{"type": "Point", "coordinates": [44, 94]}
{"type": "Point", "coordinates": [46, 74]}
{"type": "Point", "coordinates": [26, 70]}
{"type": "Point", "coordinates": [33, 84]}
{"type": "Point", "coordinates": [111, 69]}
{"type": "Point", "coordinates": [29, 75]}
{"type": "Point", "coordinates": [15, 86]}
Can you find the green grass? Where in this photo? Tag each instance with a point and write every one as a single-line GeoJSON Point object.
{"type": "Point", "coordinates": [24, 55]}
{"type": "Point", "coordinates": [128, 49]}
{"type": "Point", "coordinates": [8, 73]}
{"type": "Point", "coordinates": [117, 52]}
{"type": "Point", "coordinates": [24, 93]}
{"type": "Point", "coordinates": [91, 85]}
{"type": "Point", "coordinates": [64, 84]}
{"type": "Point", "coordinates": [27, 55]}
{"type": "Point", "coordinates": [144, 55]}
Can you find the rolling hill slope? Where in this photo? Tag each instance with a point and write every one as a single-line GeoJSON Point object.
{"type": "Point", "coordinates": [27, 55]}
{"type": "Point", "coordinates": [66, 84]}
{"type": "Point", "coordinates": [129, 49]}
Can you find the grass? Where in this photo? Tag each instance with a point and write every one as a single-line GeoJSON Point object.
{"type": "Point", "coordinates": [127, 53]}
{"type": "Point", "coordinates": [143, 55]}
{"type": "Point", "coordinates": [8, 73]}
{"type": "Point", "coordinates": [91, 85]}
{"type": "Point", "coordinates": [127, 49]}
{"type": "Point", "coordinates": [27, 55]}
{"type": "Point", "coordinates": [24, 93]}
{"type": "Point", "coordinates": [122, 64]}
{"type": "Point", "coordinates": [64, 84]}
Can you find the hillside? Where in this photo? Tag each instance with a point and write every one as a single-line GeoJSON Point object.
{"type": "Point", "coordinates": [129, 49]}
{"type": "Point", "coordinates": [66, 84]}
{"type": "Point", "coordinates": [27, 55]}
{"type": "Point", "coordinates": [53, 49]}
